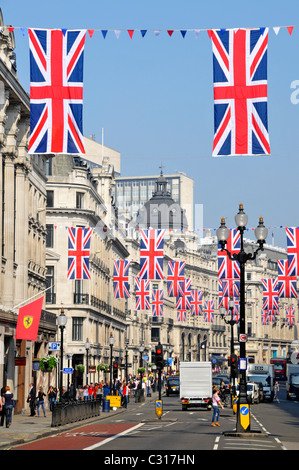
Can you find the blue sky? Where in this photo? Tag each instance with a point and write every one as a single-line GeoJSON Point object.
{"type": "Point", "coordinates": [154, 95]}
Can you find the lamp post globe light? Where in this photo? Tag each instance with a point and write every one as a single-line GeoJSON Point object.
{"type": "Point", "coordinates": [261, 232]}
{"type": "Point", "coordinates": [61, 321]}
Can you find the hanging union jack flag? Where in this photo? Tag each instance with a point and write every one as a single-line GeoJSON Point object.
{"type": "Point", "coordinates": [151, 254]}
{"type": "Point", "coordinates": [209, 311]}
{"type": "Point", "coordinates": [56, 91]}
{"type": "Point", "coordinates": [228, 269]}
{"type": "Point", "coordinates": [181, 315]}
{"type": "Point", "coordinates": [230, 288]}
{"type": "Point", "coordinates": [142, 292]}
{"type": "Point", "coordinates": [290, 316]}
{"type": "Point", "coordinates": [183, 303]}
{"type": "Point", "coordinates": [78, 252]}
{"type": "Point", "coordinates": [293, 250]}
{"type": "Point", "coordinates": [287, 285]}
{"type": "Point", "coordinates": [157, 302]}
{"type": "Point", "coordinates": [265, 317]}
{"type": "Point", "coordinates": [121, 287]}
{"type": "Point", "coordinates": [175, 274]}
{"type": "Point", "coordinates": [270, 294]}
{"type": "Point", "coordinates": [196, 302]}
{"type": "Point", "coordinates": [240, 92]}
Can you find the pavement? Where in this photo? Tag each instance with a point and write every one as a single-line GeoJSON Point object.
{"type": "Point", "coordinates": [25, 428]}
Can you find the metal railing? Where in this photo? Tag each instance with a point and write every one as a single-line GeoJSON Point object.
{"type": "Point", "coordinates": [73, 411]}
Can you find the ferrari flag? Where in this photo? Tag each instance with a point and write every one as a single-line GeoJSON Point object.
{"type": "Point", "coordinates": [56, 91]}
{"type": "Point", "coordinates": [28, 320]}
{"type": "Point", "coordinates": [240, 92]}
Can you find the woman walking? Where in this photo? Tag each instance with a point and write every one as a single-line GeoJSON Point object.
{"type": "Point", "coordinates": [41, 401]}
{"type": "Point", "coordinates": [8, 405]}
{"type": "Point", "coordinates": [216, 402]}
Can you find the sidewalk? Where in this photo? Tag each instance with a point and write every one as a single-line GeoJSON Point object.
{"type": "Point", "coordinates": [26, 428]}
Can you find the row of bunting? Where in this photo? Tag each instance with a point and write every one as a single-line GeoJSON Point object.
{"type": "Point", "coordinates": [151, 268]}
{"type": "Point", "coordinates": [239, 80]}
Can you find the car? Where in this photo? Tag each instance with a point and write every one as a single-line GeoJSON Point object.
{"type": "Point", "coordinates": [172, 385]}
{"type": "Point", "coordinates": [253, 394]}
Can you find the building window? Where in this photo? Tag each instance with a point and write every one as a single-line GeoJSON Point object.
{"type": "Point", "coordinates": [50, 198]}
{"type": "Point", "coordinates": [155, 335]}
{"type": "Point", "coordinates": [79, 200]}
{"type": "Point", "coordinates": [50, 236]}
{"type": "Point", "coordinates": [50, 295]}
{"type": "Point", "coordinates": [77, 329]}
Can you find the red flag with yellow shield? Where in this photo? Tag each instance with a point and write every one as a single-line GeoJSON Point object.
{"type": "Point", "coordinates": [28, 320]}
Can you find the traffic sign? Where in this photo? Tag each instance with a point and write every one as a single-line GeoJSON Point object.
{"type": "Point", "coordinates": [243, 338]}
{"type": "Point", "coordinates": [68, 370]}
{"type": "Point", "coordinates": [54, 346]}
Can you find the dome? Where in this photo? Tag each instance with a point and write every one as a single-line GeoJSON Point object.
{"type": "Point", "coordinates": [161, 211]}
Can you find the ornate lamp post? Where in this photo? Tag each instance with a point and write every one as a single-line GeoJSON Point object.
{"type": "Point", "coordinates": [87, 347]}
{"type": "Point", "coordinates": [231, 322]}
{"type": "Point", "coordinates": [61, 321]}
{"type": "Point", "coordinates": [261, 232]}
{"type": "Point", "coordinates": [111, 342]}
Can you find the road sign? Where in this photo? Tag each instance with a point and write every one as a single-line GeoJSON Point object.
{"type": "Point", "coordinates": [54, 346]}
{"type": "Point", "coordinates": [159, 408]}
{"type": "Point", "coordinates": [68, 370]}
{"type": "Point", "coordinates": [244, 416]}
{"type": "Point", "coordinates": [243, 338]}
{"type": "Point", "coordinates": [242, 363]}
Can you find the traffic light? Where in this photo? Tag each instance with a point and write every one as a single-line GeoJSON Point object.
{"type": "Point", "coordinates": [159, 357]}
{"type": "Point", "coordinates": [234, 364]}
{"type": "Point", "coordinates": [115, 370]}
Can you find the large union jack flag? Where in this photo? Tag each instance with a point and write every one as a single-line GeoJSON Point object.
{"type": "Point", "coordinates": [157, 302]}
{"type": "Point", "coordinates": [287, 285]}
{"type": "Point", "coordinates": [228, 269]}
{"type": "Point", "coordinates": [293, 250]}
{"type": "Point", "coordinates": [151, 254]}
{"type": "Point", "coordinates": [270, 294]}
{"type": "Point", "coordinates": [240, 92]}
{"type": "Point", "coordinates": [290, 316]}
{"type": "Point", "coordinates": [196, 302]}
{"type": "Point", "coordinates": [56, 91]}
{"type": "Point", "coordinates": [209, 311]}
{"type": "Point", "coordinates": [121, 285]}
{"type": "Point", "coordinates": [142, 291]}
{"type": "Point", "coordinates": [175, 274]}
{"type": "Point", "coordinates": [78, 252]}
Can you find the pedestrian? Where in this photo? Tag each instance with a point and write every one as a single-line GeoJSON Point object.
{"type": "Point", "coordinates": [51, 397]}
{"type": "Point", "coordinates": [8, 405]}
{"type": "Point", "coordinates": [2, 407]}
{"type": "Point", "coordinates": [31, 399]}
{"type": "Point", "coordinates": [276, 389]}
{"type": "Point", "coordinates": [41, 401]}
{"type": "Point", "coordinates": [216, 402]}
{"type": "Point", "coordinates": [125, 392]}
{"type": "Point", "coordinates": [85, 393]}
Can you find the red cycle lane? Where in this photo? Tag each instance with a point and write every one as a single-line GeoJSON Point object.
{"type": "Point", "coordinates": [80, 438]}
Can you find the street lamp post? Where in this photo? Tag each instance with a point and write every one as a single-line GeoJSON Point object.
{"type": "Point", "coordinates": [111, 342]}
{"type": "Point", "coordinates": [230, 322]}
{"type": "Point", "coordinates": [62, 321]}
{"type": "Point", "coordinates": [261, 232]}
{"type": "Point", "coordinates": [141, 350]}
{"type": "Point", "coordinates": [87, 347]}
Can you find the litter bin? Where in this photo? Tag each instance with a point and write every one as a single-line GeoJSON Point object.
{"type": "Point", "coordinates": [106, 405]}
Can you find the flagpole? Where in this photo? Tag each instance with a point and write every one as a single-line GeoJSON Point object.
{"type": "Point", "coordinates": [27, 300]}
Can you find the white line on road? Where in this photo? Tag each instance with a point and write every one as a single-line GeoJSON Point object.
{"type": "Point", "coordinates": [216, 443]}
{"type": "Point", "coordinates": [99, 444]}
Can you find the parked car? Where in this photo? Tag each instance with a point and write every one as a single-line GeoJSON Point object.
{"type": "Point", "coordinates": [253, 393]}
{"type": "Point", "coordinates": [173, 385]}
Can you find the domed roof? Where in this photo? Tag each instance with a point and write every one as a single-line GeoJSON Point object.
{"type": "Point", "coordinates": [161, 211]}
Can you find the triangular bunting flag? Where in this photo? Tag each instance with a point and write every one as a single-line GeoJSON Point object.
{"type": "Point", "coordinates": [209, 31]}
{"type": "Point", "coordinates": [276, 29]}
{"type": "Point", "coordinates": [104, 33]}
{"type": "Point", "coordinates": [196, 32]}
{"type": "Point", "coordinates": [183, 33]}
{"type": "Point", "coordinates": [170, 32]}
{"type": "Point", "coordinates": [290, 29]}
{"type": "Point", "coordinates": [143, 32]}
{"type": "Point", "coordinates": [64, 31]}
{"type": "Point", "coordinates": [117, 33]}
{"type": "Point", "coordinates": [157, 32]}
{"type": "Point", "coordinates": [10, 29]}
{"type": "Point", "coordinates": [23, 30]}
{"type": "Point", "coordinates": [131, 32]}
{"type": "Point", "coordinates": [90, 32]}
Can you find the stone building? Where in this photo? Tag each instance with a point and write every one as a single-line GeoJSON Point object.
{"type": "Point", "coordinates": [22, 228]}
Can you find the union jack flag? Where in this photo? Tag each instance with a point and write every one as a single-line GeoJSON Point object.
{"type": "Point", "coordinates": [290, 316]}
{"type": "Point", "coordinates": [157, 302]}
{"type": "Point", "coordinates": [240, 92]}
{"type": "Point", "coordinates": [287, 285]}
{"type": "Point", "coordinates": [184, 289]}
{"type": "Point", "coordinates": [209, 311]}
{"type": "Point", "coordinates": [293, 250]}
{"type": "Point", "coordinates": [183, 303]}
{"type": "Point", "coordinates": [151, 254]}
{"type": "Point", "coordinates": [236, 313]}
{"type": "Point", "coordinates": [142, 291]}
{"type": "Point", "coordinates": [228, 269]}
{"type": "Point", "coordinates": [175, 274]}
{"type": "Point", "coordinates": [56, 91]}
{"type": "Point", "coordinates": [121, 285]}
{"type": "Point", "coordinates": [270, 294]}
{"type": "Point", "coordinates": [181, 315]}
{"type": "Point", "coordinates": [230, 288]}
{"type": "Point", "coordinates": [272, 315]}
{"type": "Point", "coordinates": [265, 317]}
{"type": "Point", "coordinates": [196, 302]}
{"type": "Point", "coordinates": [78, 252]}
